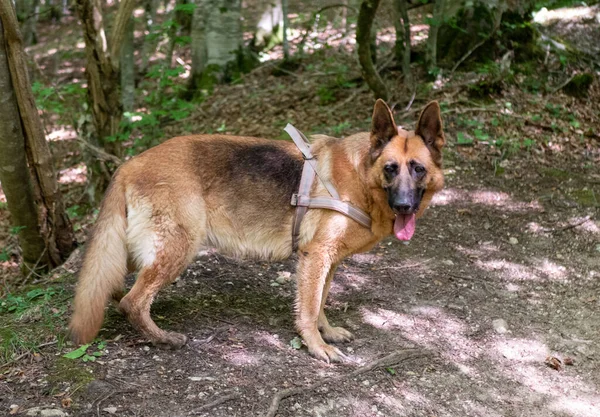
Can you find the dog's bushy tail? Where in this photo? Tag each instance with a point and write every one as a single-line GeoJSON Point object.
{"type": "Point", "coordinates": [104, 266]}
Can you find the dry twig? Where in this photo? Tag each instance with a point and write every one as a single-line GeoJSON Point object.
{"type": "Point", "coordinates": [216, 402]}
{"type": "Point", "coordinates": [23, 355]}
{"type": "Point", "coordinates": [569, 226]}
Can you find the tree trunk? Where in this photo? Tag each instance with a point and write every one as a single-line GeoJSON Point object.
{"type": "Point", "coordinates": [434, 27]}
{"type": "Point", "coordinates": [216, 41]}
{"type": "Point", "coordinates": [103, 95]}
{"type": "Point", "coordinates": [47, 238]}
{"type": "Point", "coordinates": [128, 70]}
{"type": "Point", "coordinates": [286, 46]}
{"type": "Point", "coordinates": [29, 16]}
{"type": "Point", "coordinates": [366, 15]}
{"type": "Point", "coordinates": [198, 44]}
{"type": "Point", "coordinates": [469, 32]}
{"type": "Point", "coordinates": [103, 85]}
{"type": "Point", "coordinates": [402, 11]}
{"type": "Point", "coordinates": [269, 29]}
{"type": "Point", "coordinates": [224, 32]}
{"type": "Point", "coordinates": [151, 38]}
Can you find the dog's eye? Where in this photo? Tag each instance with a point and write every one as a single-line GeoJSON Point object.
{"type": "Point", "coordinates": [391, 168]}
{"type": "Point", "coordinates": [419, 169]}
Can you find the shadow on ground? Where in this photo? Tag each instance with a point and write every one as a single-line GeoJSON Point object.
{"type": "Point", "coordinates": [492, 284]}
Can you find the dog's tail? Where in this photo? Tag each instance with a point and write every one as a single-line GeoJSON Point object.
{"type": "Point", "coordinates": [104, 266]}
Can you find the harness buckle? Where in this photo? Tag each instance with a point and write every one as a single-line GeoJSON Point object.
{"type": "Point", "coordinates": [294, 201]}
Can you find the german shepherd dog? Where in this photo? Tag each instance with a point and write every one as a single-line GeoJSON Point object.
{"type": "Point", "coordinates": [233, 194]}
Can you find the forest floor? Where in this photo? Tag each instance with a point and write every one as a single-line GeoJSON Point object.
{"type": "Point", "coordinates": [492, 309]}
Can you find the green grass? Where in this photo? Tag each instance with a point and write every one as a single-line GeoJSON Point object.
{"type": "Point", "coordinates": [32, 316]}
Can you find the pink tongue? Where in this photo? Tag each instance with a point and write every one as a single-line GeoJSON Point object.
{"type": "Point", "coordinates": [404, 226]}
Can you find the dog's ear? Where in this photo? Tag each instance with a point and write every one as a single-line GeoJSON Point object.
{"type": "Point", "coordinates": [383, 128]}
{"type": "Point", "coordinates": [429, 127]}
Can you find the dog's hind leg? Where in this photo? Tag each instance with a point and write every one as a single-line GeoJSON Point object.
{"type": "Point", "coordinates": [175, 252]}
{"type": "Point", "coordinates": [329, 333]}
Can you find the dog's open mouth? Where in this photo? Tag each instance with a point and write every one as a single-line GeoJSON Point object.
{"type": "Point", "coordinates": [404, 226]}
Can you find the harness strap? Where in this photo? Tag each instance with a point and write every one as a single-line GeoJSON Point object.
{"type": "Point", "coordinates": [302, 200]}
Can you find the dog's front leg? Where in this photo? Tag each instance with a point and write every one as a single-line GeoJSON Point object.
{"type": "Point", "coordinates": [329, 333]}
{"type": "Point", "coordinates": [313, 269]}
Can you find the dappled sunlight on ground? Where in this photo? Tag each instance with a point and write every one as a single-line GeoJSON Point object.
{"type": "Point", "coordinates": [545, 16]}
{"type": "Point", "coordinates": [521, 350]}
{"type": "Point", "coordinates": [242, 357]}
{"type": "Point", "coordinates": [75, 174]}
{"type": "Point", "coordinates": [430, 327]}
{"type": "Point", "coordinates": [542, 269]}
{"type": "Point", "coordinates": [269, 339]}
{"type": "Point", "coordinates": [580, 223]}
{"type": "Point", "coordinates": [62, 134]}
{"type": "Point", "coordinates": [484, 248]}
{"type": "Point", "coordinates": [490, 198]}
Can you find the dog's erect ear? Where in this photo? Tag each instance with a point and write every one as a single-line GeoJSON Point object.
{"type": "Point", "coordinates": [383, 128]}
{"type": "Point", "coordinates": [429, 127]}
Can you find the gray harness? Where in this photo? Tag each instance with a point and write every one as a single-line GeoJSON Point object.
{"type": "Point", "coordinates": [302, 200]}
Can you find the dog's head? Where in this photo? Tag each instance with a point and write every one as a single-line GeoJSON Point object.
{"type": "Point", "coordinates": [407, 165]}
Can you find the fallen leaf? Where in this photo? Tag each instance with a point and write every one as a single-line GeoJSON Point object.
{"type": "Point", "coordinates": [14, 409]}
{"type": "Point", "coordinates": [553, 362]}
{"type": "Point", "coordinates": [66, 402]}
{"type": "Point", "coordinates": [569, 361]}
{"type": "Point", "coordinates": [77, 353]}
{"type": "Point", "coordinates": [296, 342]}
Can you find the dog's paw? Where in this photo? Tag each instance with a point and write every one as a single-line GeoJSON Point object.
{"type": "Point", "coordinates": [336, 335]}
{"type": "Point", "coordinates": [171, 340]}
{"type": "Point", "coordinates": [326, 353]}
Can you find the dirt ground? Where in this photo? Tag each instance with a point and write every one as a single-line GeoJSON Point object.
{"type": "Point", "coordinates": [492, 309]}
{"type": "Point", "coordinates": [494, 282]}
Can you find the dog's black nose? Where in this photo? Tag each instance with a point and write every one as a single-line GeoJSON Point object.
{"type": "Point", "coordinates": [402, 207]}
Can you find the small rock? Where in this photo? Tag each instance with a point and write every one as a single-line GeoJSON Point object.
{"type": "Point", "coordinates": [146, 348]}
{"type": "Point", "coordinates": [110, 410]}
{"type": "Point", "coordinates": [366, 383]}
{"type": "Point", "coordinates": [275, 284]}
{"type": "Point", "coordinates": [513, 241]}
{"type": "Point", "coordinates": [447, 262]}
{"type": "Point", "coordinates": [201, 378]}
{"type": "Point", "coordinates": [500, 326]}
{"type": "Point", "coordinates": [45, 412]}
{"type": "Point", "coordinates": [280, 280]}
{"type": "Point", "coordinates": [284, 274]}
{"type": "Point", "coordinates": [486, 225]}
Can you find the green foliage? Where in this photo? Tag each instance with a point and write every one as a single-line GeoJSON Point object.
{"type": "Point", "coordinates": [82, 352]}
{"type": "Point", "coordinates": [187, 8]}
{"type": "Point", "coordinates": [579, 85]}
{"type": "Point", "coordinates": [163, 91]}
{"type": "Point", "coordinates": [62, 101]}
{"type": "Point", "coordinates": [17, 304]}
{"type": "Point", "coordinates": [14, 230]}
{"type": "Point", "coordinates": [339, 129]}
{"type": "Point", "coordinates": [30, 317]}
{"type": "Point", "coordinates": [296, 343]}
{"type": "Point", "coordinates": [326, 95]}
{"type": "Point", "coordinates": [463, 140]}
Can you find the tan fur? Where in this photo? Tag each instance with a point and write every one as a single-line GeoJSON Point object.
{"type": "Point", "coordinates": [195, 191]}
